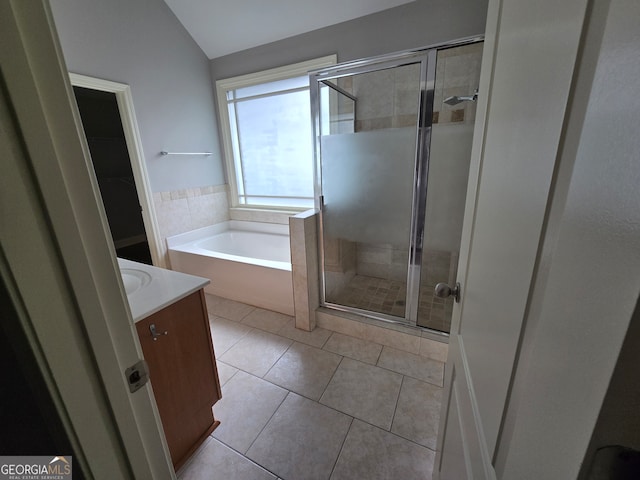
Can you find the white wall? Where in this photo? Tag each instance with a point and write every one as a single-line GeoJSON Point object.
{"type": "Point", "coordinates": [142, 44]}
{"type": "Point", "coordinates": [588, 280]}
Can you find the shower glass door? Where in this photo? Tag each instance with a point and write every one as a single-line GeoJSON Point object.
{"type": "Point", "coordinates": [454, 112]}
{"type": "Point", "coordinates": [393, 144]}
{"type": "Point", "coordinates": [368, 140]}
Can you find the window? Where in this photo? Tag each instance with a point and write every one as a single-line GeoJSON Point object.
{"type": "Point", "coordinates": [266, 123]}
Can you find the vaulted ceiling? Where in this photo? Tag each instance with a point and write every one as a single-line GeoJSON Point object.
{"type": "Point", "coordinates": [221, 27]}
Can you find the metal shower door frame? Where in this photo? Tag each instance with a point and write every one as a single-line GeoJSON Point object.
{"type": "Point", "coordinates": [426, 57]}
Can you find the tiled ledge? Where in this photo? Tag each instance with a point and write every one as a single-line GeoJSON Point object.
{"type": "Point", "coordinates": [190, 192]}
{"type": "Point", "coordinates": [401, 337]}
{"type": "Point", "coordinates": [260, 215]}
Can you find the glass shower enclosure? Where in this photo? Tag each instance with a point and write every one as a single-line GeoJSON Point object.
{"type": "Point", "coordinates": [390, 211]}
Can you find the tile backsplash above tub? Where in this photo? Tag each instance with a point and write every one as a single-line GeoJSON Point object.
{"type": "Point", "coordinates": [180, 211]}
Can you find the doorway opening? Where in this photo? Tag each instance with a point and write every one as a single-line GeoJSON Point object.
{"type": "Point", "coordinates": [106, 111]}
{"type": "Point", "coordinates": [112, 165]}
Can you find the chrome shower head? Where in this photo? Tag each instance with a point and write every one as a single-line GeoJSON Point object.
{"type": "Point", "coordinates": [453, 100]}
{"type": "Point", "coordinates": [456, 99]}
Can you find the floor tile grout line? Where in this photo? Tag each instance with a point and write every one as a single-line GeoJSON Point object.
{"type": "Point", "coordinates": [253, 309]}
{"type": "Point", "coordinates": [329, 383]}
{"type": "Point", "coordinates": [410, 376]}
{"type": "Point", "coordinates": [395, 408]}
{"type": "Point", "coordinates": [276, 362]}
{"type": "Point", "coordinates": [310, 399]}
{"type": "Point", "coordinates": [327, 339]}
{"type": "Point", "coordinates": [331, 408]}
{"type": "Point", "coordinates": [387, 431]}
{"type": "Point", "coordinates": [232, 375]}
{"type": "Point", "coordinates": [355, 338]}
{"type": "Point", "coordinates": [268, 422]}
{"type": "Point", "coordinates": [194, 455]}
{"type": "Point", "coordinates": [409, 440]}
{"type": "Point", "coordinates": [380, 354]}
{"type": "Point", "coordinates": [317, 402]}
{"type": "Point", "coordinates": [243, 455]}
{"type": "Point", "coordinates": [235, 342]}
{"type": "Point", "coordinates": [250, 331]}
{"type": "Point", "coordinates": [335, 353]}
{"type": "Point", "coordinates": [344, 441]}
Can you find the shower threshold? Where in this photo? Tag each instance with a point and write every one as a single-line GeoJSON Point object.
{"type": "Point", "coordinates": [384, 299]}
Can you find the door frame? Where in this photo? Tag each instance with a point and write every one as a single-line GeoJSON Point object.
{"type": "Point", "coordinates": [58, 261]}
{"type": "Point", "coordinates": [124, 99]}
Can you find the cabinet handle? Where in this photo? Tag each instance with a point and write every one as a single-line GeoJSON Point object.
{"type": "Point", "coordinates": [154, 332]}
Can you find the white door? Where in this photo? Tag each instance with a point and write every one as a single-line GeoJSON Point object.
{"type": "Point", "coordinates": [57, 262]}
{"type": "Point", "coordinates": [528, 64]}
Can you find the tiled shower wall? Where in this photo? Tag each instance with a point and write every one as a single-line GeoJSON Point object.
{"type": "Point", "coordinates": [387, 261]}
{"type": "Point", "coordinates": [180, 211]}
{"type": "Point", "coordinates": [457, 73]}
{"type": "Point", "coordinates": [387, 98]}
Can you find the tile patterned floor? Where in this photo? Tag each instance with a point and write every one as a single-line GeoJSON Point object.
{"type": "Point", "coordinates": [388, 297]}
{"type": "Point", "coordinates": [319, 405]}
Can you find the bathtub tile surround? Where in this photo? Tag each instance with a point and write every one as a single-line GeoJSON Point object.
{"type": "Point", "coordinates": [280, 427]}
{"type": "Point", "coordinates": [304, 265]}
{"type": "Point", "coordinates": [180, 211]}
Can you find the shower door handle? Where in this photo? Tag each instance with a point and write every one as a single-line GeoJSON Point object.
{"type": "Point", "coordinates": [443, 290]}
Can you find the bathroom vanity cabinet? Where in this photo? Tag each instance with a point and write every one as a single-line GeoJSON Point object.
{"type": "Point", "coordinates": [176, 342]}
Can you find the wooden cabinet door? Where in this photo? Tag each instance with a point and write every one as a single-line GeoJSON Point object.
{"type": "Point", "coordinates": [183, 372]}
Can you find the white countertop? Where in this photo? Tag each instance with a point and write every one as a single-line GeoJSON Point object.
{"type": "Point", "coordinates": [158, 287]}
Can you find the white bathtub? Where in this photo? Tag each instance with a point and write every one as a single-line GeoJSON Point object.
{"type": "Point", "coordinates": [246, 261]}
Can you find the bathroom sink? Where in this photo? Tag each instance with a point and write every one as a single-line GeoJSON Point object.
{"type": "Point", "coordinates": [134, 279]}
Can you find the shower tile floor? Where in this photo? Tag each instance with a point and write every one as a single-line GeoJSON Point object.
{"type": "Point", "coordinates": [315, 405]}
{"type": "Point", "coordinates": [388, 297]}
